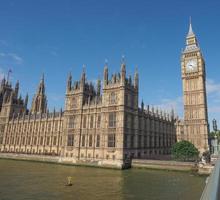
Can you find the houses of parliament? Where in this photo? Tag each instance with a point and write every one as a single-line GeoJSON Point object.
{"type": "Point", "coordinates": [103, 123]}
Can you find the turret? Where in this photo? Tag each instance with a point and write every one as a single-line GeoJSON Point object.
{"type": "Point", "coordinates": [69, 83]}
{"type": "Point", "coordinates": [41, 87]}
{"type": "Point", "coordinates": [123, 71]}
{"type": "Point", "coordinates": [106, 75]}
{"type": "Point", "coordinates": [142, 105]}
{"type": "Point", "coordinates": [136, 79]}
{"type": "Point", "coordinates": [39, 103]}
{"type": "Point", "coordinates": [26, 101]}
{"type": "Point", "coordinates": [172, 114]}
{"type": "Point", "coordinates": [214, 124]}
{"type": "Point", "coordinates": [83, 78]}
{"type": "Point", "coordinates": [16, 89]}
{"type": "Point", "coordinates": [98, 87]}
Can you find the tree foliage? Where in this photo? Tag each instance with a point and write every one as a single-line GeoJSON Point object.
{"type": "Point", "coordinates": [185, 151]}
{"type": "Point", "coordinates": [214, 134]}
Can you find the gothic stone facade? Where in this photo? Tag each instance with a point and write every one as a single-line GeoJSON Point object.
{"type": "Point", "coordinates": [194, 127]}
{"type": "Point", "coordinates": [100, 124]}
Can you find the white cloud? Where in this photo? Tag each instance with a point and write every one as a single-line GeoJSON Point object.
{"type": "Point", "coordinates": [212, 86]}
{"type": "Point", "coordinates": [213, 93]}
{"type": "Point", "coordinates": [169, 104]}
{"type": "Point", "coordinates": [16, 57]}
{"type": "Point", "coordinates": [11, 57]}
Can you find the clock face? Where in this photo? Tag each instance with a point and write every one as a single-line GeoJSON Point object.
{"type": "Point", "coordinates": [191, 65]}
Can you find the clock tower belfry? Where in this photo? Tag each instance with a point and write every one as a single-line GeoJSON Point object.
{"type": "Point", "coordinates": [194, 93]}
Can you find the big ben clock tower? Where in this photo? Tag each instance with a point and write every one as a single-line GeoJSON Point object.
{"type": "Point", "coordinates": [194, 93]}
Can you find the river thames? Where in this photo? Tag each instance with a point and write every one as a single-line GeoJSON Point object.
{"type": "Point", "coordinates": [32, 180]}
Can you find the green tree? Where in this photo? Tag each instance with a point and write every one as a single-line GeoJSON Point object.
{"type": "Point", "coordinates": [184, 151]}
{"type": "Point", "coordinates": [214, 134]}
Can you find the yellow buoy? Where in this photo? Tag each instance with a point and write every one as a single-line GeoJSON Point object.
{"type": "Point", "coordinates": [69, 181]}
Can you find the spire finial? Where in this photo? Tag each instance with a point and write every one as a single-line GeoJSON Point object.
{"type": "Point", "coordinates": [123, 59]}
{"type": "Point", "coordinates": [8, 76]}
{"type": "Point", "coordinates": [42, 78]}
{"type": "Point", "coordinates": [84, 68]}
{"type": "Point", "coordinates": [83, 77]}
{"type": "Point", "coordinates": [106, 62]}
{"type": "Point", "coordinates": [190, 33]}
{"type": "Point", "coordinates": [136, 69]}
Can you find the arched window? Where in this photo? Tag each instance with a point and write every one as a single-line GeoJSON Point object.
{"type": "Point", "coordinates": [71, 122]}
{"type": "Point", "coordinates": [70, 140]}
{"type": "Point", "coordinates": [84, 121]}
{"type": "Point", "coordinates": [112, 98]}
{"type": "Point", "coordinates": [112, 120]}
{"type": "Point", "coordinates": [91, 121]}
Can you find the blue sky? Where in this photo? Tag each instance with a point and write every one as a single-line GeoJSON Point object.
{"type": "Point", "coordinates": [55, 37]}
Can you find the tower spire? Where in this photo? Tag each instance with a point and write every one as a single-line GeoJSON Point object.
{"type": "Point", "coordinates": [136, 78]}
{"type": "Point", "coordinates": [39, 103]}
{"type": "Point", "coordinates": [69, 82]}
{"type": "Point", "coordinates": [83, 77]}
{"type": "Point", "coordinates": [16, 89]}
{"type": "Point", "coordinates": [26, 101]}
{"type": "Point", "coordinates": [41, 87]}
{"type": "Point", "coordinates": [106, 73]}
{"type": "Point", "coordinates": [191, 40]}
{"type": "Point", "coordinates": [123, 70]}
{"type": "Point", "coordinates": [42, 78]}
{"type": "Point", "coordinates": [190, 32]}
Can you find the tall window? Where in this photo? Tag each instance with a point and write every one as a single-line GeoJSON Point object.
{"type": "Point", "coordinates": [91, 121]}
{"type": "Point", "coordinates": [90, 140]}
{"type": "Point", "coordinates": [111, 140]}
{"type": "Point", "coordinates": [74, 102]}
{"type": "Point", "coordinates": [84, 121]}
{"type": "Point", "coordinates": [139, 141]}
{"type": "Point", "coordinates": [132, 141]}
{"type": "Point", "coordinates": [125, 141]}
{"type": "Point", "coordinates": [126, 99]}
{"type": "Point", "coordinates": [48, 141]}
{"type": "Point", "coordinates": [132, 101]}
{"type": "Point", "coordinates": [18, 140]}
{"type": "Point", "coordinates": [98, 141]}
{"type": "Point", "coordinates": [70, 140]}
{"type": "Point", "coordinates": [41, 140]}
{"type": "Point", "coordinates": [49, 127]}
{"type": "Point", "coordinates": [54, 140]}
{"type": "Point", "coordinates": [71, 122]}
{"type": "Point", "coordinates": [29, 140]}
{"type": "Point", "coordinates": [35, 140]}
{"type": "Point", "coordinates": [12, 140]}
{"type": "Point", "coordinates": [42, 127]}
{"type": "Point", "coordinates": [132, 121]}
{"type": "Point", "coordinates": [56, 126]}
{"type": "Point", "coordinates": [99, 121]}
{"type": "Point", "coordinates": [112, 98]}
{"type": "Point", "coordinates": [83, 140]}
{"type": "Point", "coordinates": [23, 140]}
{"type": "Point", "coordinates": [112, 120]}
{"type": "Point", "coordinates": [145, 141]}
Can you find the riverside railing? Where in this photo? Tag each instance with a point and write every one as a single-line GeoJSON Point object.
{"type": "Point", "coordinates": [212, 188]}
